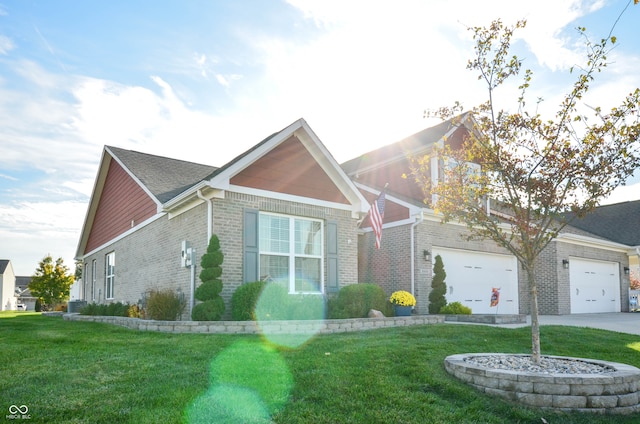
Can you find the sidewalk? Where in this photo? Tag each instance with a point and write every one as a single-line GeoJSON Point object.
{"type": "Point", "coordinates": [622, 322]}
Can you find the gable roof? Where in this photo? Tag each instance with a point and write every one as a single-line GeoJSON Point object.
{"type": "Point", "coordinates": [419, 142]}
{"type": "Point", "coordinates": [177, 185]}
{"type": "Point", "coordinates": [618, 222]}
{"type": "Point", "coordinates": [220, 179]}
{"type": "Point", "coordinates": [3, 265]}
{"type": "Point", "coordinates": [163, 177]}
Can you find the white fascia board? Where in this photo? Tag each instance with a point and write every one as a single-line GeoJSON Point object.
{"type": "Point", "coordinates": [221, 181]}
{"type": "Point", "coordinates": [123, 235]}
{"type": "Point", "coordinates": [594, 242]}
{"type": "Point", "coordinates": [185, 196]}
{"type": "Point", "coordinates": [393, 224]}
{"type": "Point", "coordinates": [317, 150]}
{"type": "Point", "coordinates": [289, 197]}
{"type": "Point", "coordinates": [333, 169]}
{"type": "Point", "coordinates": [132, 175]}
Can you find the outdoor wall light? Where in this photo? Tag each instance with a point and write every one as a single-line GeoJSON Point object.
{"type": "Point", "coordinates": [626, 270]}
{"type": "Point", "coordinates": [565, 263]}
{"type": "Point", "coordinates": [427, 255]}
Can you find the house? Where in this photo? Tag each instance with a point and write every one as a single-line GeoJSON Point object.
{"type": "Point", "coordinates": [7, 286]}
{"type": "Point", "coordinates": [584, 270]}
{"type": "Point", "coordinates": [24, 298]}
{"type": "Point", "coordinates": [283, 209]}
{"type": "Point", "coordinates": [14, 294]}
{"type": "Point", "coordinates": [286, 210]}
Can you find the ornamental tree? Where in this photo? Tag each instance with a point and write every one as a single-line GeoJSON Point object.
{"type": "Point", "coordinates": [538, 173]}
{"type": "Point", "coordinates": [437, 298]}
{"type": "Point", "coordinates": [51, 282]}
{"type": "Point", "coordinates": [212, 307]}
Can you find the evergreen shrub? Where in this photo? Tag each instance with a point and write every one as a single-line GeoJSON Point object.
{"type": "Point", "coordinates": [244, 300]}
{"type": "Point", "coordinates": [356, 300]}
{"type": "Point", "coordinates": [438, 287]}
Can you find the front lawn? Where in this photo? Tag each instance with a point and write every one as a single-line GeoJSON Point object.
{"type": "Point", "coordinates": [82, 372]}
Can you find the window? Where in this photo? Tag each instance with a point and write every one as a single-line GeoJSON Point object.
{"type": "Point", "coordinates": [291, 252]}
{"type": "Point", "coordinates": [94, 271]}
{"type": "Point", "coordinates": [110, 267]}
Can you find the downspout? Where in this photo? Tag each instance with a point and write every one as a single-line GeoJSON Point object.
{"type": "Point", "coordinates": [413, 251]}
{"type": "Point", "coordinates": [192, 300]}
{"type": "Point", "coordinates": [209, 214]}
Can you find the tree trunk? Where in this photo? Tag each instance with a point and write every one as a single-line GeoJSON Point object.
{"type": "Point", "coordinates": [535, 324]}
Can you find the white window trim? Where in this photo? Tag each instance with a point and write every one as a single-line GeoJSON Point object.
{"type": "Point", "coordinates": [109, 279]}
{"type": "Point", "coordinates": [292, 255]}
{"type": "Point", "coordinates": [94, 277]}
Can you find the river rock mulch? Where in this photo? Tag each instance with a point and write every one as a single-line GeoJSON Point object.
{"type": "Point", "coordinates": [523, 363]}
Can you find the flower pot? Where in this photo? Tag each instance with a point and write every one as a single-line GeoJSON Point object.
{"type": "Point", "coordinates": [402, 311]}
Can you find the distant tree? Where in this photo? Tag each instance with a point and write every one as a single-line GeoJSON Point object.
{"type": "Point", "coordinates": [539, 172]}
{"type": "Point", "coordinates": [51, 283]}
{"type": "Point", "coordinates": [212, 307]}
{"type": "Point", "coordinates": [437, 298]}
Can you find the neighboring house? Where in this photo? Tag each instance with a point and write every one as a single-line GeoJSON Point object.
{"type": "Point", "coordinates": [23, 294]}
{"type": "Point", "coordinates": [283, 209]}
{"type": "Point", "coordinates": [583, 270]}
{"type": "Point", "coordinates": [7, 286]}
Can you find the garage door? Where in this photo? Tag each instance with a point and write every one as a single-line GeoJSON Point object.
{"type": "Point", "coordinates": [472, 275]}
{"type": "Point", "coordinates": [594, 286]}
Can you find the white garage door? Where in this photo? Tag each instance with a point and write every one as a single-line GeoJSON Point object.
{"type": "Point", "coordinates": [472, 275]}
{"type": "Point", "coordinates": [594, 286]}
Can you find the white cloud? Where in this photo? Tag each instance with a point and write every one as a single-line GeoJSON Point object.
{"type": "Point", "coordinates": [6, 45]}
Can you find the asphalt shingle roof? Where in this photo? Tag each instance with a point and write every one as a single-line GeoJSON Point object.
{"type": "Point", "coordinates": [3, 265]}
{"type": "Point", "coordinates": [619, 222]}
{"type": "Point", "coordinates": [164, 177]}
{"type": "Point", "coordinates": [412, 144]}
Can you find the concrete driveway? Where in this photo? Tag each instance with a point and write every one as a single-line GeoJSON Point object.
{"type": "Point", "coordinates": [622, 322]}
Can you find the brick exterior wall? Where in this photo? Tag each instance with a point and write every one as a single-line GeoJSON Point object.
{"type": "Point", "coordinates": [390, 266]}
{"type": "Point", "coordinates": [149, 258]}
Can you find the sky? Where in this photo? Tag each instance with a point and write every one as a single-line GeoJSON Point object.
{"type": "Point", "coordinates": [205, 80]}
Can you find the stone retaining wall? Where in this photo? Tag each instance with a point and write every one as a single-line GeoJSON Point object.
{"type": "Point", "coordinates": [251, 327]}
{"type": "Point", "coordinates": [614, 392]}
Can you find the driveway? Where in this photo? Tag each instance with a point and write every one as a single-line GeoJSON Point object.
{"type": "Point", "coordinates": [622, 322]}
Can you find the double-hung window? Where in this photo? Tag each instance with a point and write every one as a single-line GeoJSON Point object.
{"type": "Point", "coordinates": [291, 251]}
{"type": "Point", "coordinates": [110, 274]}
{"type": "Point", "coordinates": [94, 273]}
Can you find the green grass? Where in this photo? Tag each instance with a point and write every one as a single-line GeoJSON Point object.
{"type": "Point", "coordinates": [81, 372]}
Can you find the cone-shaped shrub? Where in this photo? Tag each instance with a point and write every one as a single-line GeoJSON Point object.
{"type": "Point", "coordinates": [212, 307]}
{"type": "Point", "coordinates": [438, 287]}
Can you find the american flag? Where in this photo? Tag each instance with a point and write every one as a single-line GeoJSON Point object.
{"type": "Point", "coordinates": [376, 215]}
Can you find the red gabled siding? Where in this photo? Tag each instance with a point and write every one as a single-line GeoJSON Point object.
{"type": "Point", "coordinates": [289, 168]}
{"type": "Point", "coordinates": [392, 211]}
{"type": "Point", "coordinates": [392, 174]}
{"type": "Point", "coordinates": [121, 202]}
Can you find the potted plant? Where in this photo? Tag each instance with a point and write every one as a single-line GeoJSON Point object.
{"type": "Point", "coordinates": [402, 302]}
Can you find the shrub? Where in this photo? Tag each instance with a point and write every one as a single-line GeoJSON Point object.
{"type": "Point", "coordinates": [306, 306]}
{"type": "Point", "coordinates": [211, 310]}
{"type": "Point", "coordinates": [244, 300]}
{"type": "Point", "coordinates": [135, 311]}
{"type": "Point", "coordinates": [455, 308]}
{"type": "Point", "coordinates": [102, 309]}
{"type": "Point", "coordinates": [164, 305]}
{"type": "Point", "coordinates": [355, 301]}
{"type": "Point", "coordinates": [273, 303]}
{"type": "Point", "coordinates": [62, 307]}
{"type": "Point", "coordinates": [209, 291]}
{"type": "Point", "coordinates": [438, 287]}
